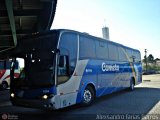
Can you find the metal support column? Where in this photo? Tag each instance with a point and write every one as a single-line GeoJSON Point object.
{"type": "Point", "coordinates": [9, 6]}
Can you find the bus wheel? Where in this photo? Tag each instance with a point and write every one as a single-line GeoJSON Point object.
{"type": "Point", "coordinates": [88, 96]}
{"type": "Point", "coordinates": [4, 85]}
{"type": "Point", "coordinates": [131, 88]}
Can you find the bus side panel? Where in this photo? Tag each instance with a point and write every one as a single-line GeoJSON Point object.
{"type": "Point", "coordinates": [112, 81]}
{"type": "Point", "coordinates": [138, 72]}
{"type": "Point", "coordinates": [106, 82]}
{"type": "Point", "coordinates": [109, 83]}
{"type": "Point", "coordinates": [70, 91]}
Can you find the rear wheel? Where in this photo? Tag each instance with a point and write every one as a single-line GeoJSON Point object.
{"type": "Point", "coordinates": [4, 85]}
{"type": "Point", "coordinates": [88, 96]}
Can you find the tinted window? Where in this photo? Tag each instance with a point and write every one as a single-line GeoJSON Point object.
{"type": "Point", "coordinates": [87, 47]}
{"type": "Point", "coordinates": [1, 65]}
{"type": "Point", "coordinates": [39, 42]}
{"type": "Point", "coordinates": [63, 73]}
{"type": "Point", "coordinates": [129, 54]}
{"type": "Point", "coordinates": [101, 50]}
{"type": "Point", "coordinates": [137, 56]}
{"type": "Point", "coordinates": [113, 52]}
{"type": "Point", "coordinates": [122, 54]}
{"type": "Point", "coordinates": [68, 46]}
{"type": "Point", "coordinates": [7, 65]}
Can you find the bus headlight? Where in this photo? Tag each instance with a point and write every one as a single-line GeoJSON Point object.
{"type": "Point", "coordinates": [45, 97]}
{"type": "Point", "coordinates": [12, 95]}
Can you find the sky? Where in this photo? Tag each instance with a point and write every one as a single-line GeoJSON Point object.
{"type": "Point", "coordinates": [134, 23]}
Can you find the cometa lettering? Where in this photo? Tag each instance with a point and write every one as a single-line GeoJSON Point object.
{"type": "Point", "coordinates": [106, 67]}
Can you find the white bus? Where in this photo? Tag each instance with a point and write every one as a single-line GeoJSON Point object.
{"type": "Point", "coordinates": [65, 67]}
{"type": "Point", "coordinates": [5, 73]}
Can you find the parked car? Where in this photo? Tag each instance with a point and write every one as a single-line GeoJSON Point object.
{"type": "Point", "coordinates": [149, 72]}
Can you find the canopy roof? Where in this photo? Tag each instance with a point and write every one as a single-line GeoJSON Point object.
{"type": "Point", "coordinates": [21, 17]}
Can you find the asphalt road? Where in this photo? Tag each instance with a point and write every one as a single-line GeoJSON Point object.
{"type": "Point", "coordinates": [142, 103]}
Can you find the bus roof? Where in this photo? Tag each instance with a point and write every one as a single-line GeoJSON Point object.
{"type": "Point", "coordinates": [98, 38]}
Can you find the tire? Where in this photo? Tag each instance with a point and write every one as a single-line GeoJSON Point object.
{"type": "Point", "coordinates": [4, 85]}
{"type": "Point", "coordinates": [131, 88]}
{"type": "Point", "coordinates": [88, 96]}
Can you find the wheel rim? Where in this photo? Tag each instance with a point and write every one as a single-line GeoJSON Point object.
{"type": "Point", "coordinates": [4, 86]}
{"type": "Point", "coordinates": [87, 96]}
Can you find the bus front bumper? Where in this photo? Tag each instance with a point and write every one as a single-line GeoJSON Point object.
{"type": "Point", "coordinates": [35, 103]}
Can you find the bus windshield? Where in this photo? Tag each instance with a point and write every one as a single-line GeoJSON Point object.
{"type": "Point", "coordinates": [38, 70]}
{"type": "Point", "coordinates": [39, 61]}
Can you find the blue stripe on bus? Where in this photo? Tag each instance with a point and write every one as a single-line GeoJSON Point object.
{"type": "Point", "coordinates": [94, 68]}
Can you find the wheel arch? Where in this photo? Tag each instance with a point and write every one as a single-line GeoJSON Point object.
{"type": "Point", "coordinates": [93, 86]}
{"type": "Point", "coordinates": [82, 89]}
{"type": "Point", "coordinates": [133, 79]}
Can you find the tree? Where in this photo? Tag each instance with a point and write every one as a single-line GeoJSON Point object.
{"type": "Point", "coordinates": [145, 59]}
{"type": "Point", "coordinates": [150, 58]}
{"type": "Point", "coordinates": [157, 59]}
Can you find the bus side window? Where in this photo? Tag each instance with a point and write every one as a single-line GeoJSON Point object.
{"type": "Point", "coordinates": [1, 65]}
{"type": "Point", "coordinates": [63, 69]}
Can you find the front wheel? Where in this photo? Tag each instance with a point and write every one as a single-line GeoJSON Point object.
{"type": "Point", "coordinates": [88, 96]}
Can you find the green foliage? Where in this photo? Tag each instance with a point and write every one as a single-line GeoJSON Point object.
{"type": "Point", "coordinates": [151, 63]}
{"type": "Point", "coordinates": [150, 58]}
{"type": "Point", "coordinates": [151, 67]}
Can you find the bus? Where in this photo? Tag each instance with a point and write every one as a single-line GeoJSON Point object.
{"type": "Point", "coordinates": [5, 73]}
{"type": "Point", "coordinates": [65, 67]}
